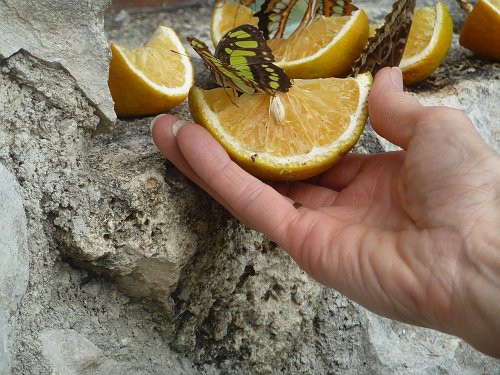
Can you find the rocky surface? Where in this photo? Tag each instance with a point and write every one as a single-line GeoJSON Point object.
{"type": "Point", "coordinates": [63, 32]}
{"type": "Point", "coordinates": [135, 270]}
{"type": "Point", "coordinates": [14, 261]}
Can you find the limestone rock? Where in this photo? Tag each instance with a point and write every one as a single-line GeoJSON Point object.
{"type": "Point", "coordinates": [73, 354]}
{"type": "Point", "coordinates": [109, 205]}
{"type": "Point", "coordinates": [179, 272]}
{"type": "Point", "coordinates": [58, 31]}
{"type": "Point", "coordinates": [131, 226]}
{"type": "Point", "coordinates": [402, 348]}
{"type": "Point", "coordinates": [14, 260]}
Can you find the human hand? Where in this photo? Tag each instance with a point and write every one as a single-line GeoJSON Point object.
{"type": "Point", "coordinates": [411, 235]}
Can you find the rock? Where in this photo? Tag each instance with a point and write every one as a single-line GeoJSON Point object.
{"type": "Point", "coordinates": [79, 212]}
{"type": "Point", "coordinates": [127, 223]}
{"type": "Point", "coordinates": [71, 353]}
{"type": "Point", "coordinates": [402, 348]}
{"type": "Point", "coordinates": [131, 261]}
{"type": "Point", "coordinates": [59, 32]}
{"type": "Point", "coordinates": [14, 261]}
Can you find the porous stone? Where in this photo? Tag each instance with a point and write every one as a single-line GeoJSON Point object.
{"type": "Point", "coordinates": [14, 261]}
{"type": "Point", "coordinates": [67, 33]}
{"type": "Point", "coordinates": [46, 127]}
{"type": "Point", "coordinates": [402, 348]}
{"type": "Point", "coordinates": [186, 288]}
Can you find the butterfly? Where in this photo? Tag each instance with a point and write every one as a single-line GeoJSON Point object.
{"type": "Point", "coordinates": [386, 47]}
{"type": "Point", "coordinates": [282, 18]}
{"type": "Point", "coordinates": [465, 5]}
{"type": "Point", "coordinates": [243, 62]}
{"type": "Point", "coordinates": [330, 8]}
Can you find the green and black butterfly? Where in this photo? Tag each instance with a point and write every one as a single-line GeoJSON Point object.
{"type": "Point", "coordinates": [282, 18]}
{"type": "Point", "coordinates": [243, 62]}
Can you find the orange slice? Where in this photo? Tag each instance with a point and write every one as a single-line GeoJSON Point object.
{"type": "Point", "coordinates": [326, 48]}
{"type": "Point", "coordinates": [481, 30]}
{"type": "Point", "coordinates": [428, 43]}
{"type": "Point", "coordinates": [291, 136]}
{"type": "Point", "coordinates": [150, 79]}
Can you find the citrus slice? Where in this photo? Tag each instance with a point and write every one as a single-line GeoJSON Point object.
{"type": "Point", "coordinates": [226, 16]}
{"type": "Point", "coordinates": [481, 30]}
{"type": "Point", "coordinates": [325, 48]}
{"type": "Point", "coordinates": [291, 136]}
{"type": "Point", "coordinates": [428, 43]}
{"type": "Point", "coordinates": [150, 79]}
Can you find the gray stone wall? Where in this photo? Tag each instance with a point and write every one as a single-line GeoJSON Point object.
{"type": "Point", "coordinates": [14, 262]}
{"type": "Point", "coordinates": [133, 269]}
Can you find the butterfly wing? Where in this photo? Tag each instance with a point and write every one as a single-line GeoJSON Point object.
{"type": "Point", "coordinates": [224, 74]}
{"type": "Point", "coordinates": [255, 5]}
{"type": "Point", "coordinates": [330, 8]}
{"type": "Point", "coordinates": [245, 50]}
{"type": "Point", "coordinates": [281, 18]}
{"type": "Point", "coordinates": [386, 47]}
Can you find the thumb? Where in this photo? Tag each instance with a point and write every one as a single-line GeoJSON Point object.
{"type": "Point", "coordinates": [393, 112]}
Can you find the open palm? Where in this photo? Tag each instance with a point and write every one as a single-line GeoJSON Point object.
{"type": "Point", "coordinates": [392, 230]}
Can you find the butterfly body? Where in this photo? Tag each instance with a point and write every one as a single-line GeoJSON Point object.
{"type": "Point", "coordinates": [243, 62]}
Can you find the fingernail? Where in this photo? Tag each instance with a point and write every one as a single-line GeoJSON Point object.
{"type": "Point", "coordinates": [397, 77]}
{"type": "Point", "coordinates": [153, 121]}
{"type": "Point", "coordinates": [177, 125]}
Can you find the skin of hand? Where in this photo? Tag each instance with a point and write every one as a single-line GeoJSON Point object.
{"type": "Point", "coordinates": [412, 235]}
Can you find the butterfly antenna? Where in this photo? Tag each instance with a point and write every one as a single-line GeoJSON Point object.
{"type": "Point", "coordinates": [183, 54]}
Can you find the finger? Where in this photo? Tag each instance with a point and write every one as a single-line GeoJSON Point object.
{"type": "Point", "coordinates": [393, 112]}
{"type": "Point", "coordinates": [164, 139]}
{"type": "Point", "coordinates": [249, 199]}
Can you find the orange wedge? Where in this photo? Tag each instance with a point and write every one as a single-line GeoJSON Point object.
{"type": "Point", "coordinates": [150, 79]}
{"type": "Point", "coordinates": [291, 136]}
{"type": "Point", "coordinates": [325, 48]}
{"type": "Point", "coordinates": [481, 30]}
{"type": "Point", "coordinates": [428, 43]}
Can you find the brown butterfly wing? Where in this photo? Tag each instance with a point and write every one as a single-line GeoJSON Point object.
{"type": "Point", "coordinates": [337, 7]}
{"type": "Point", "coordinates": [386, 47]}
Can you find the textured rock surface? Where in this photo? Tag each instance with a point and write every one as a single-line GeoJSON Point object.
{"type": "Point", "coordinates": [203, 294]}
{"type": "Point", "coordinates": [64, 32]}
{"type": "Point", "coordinates": [46, 124]}
{"type": "Point", "coordinates": [14, 260]}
